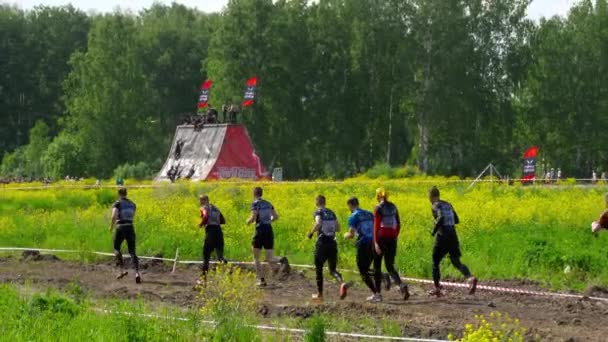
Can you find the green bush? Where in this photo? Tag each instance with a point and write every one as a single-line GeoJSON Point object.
{"type": "Point", "coordinates": [498, 328]}
{"type": "Point", "coordinates": [53, 303]}
{"type": "Point", "coordinates": [64, 156]}
{"type": "Point", "coordinates": [231, 302]}
{"type": "Point", "coordinates": [316, 329]}
{"type": "Point", "coordinates": [137, 171]}
{"type": "Point", "coordinates": [388, 172]}
{"type": "Point", "coordinates": [14, 163]}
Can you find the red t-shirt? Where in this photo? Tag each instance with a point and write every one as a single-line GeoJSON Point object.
{"type": "Point", "coordinates": [604, 220]}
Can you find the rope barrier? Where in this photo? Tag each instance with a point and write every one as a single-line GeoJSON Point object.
{"type": "Point", "coordinates": [490, 288]}
{"type": "Point", "coordinates": [272, 328]}
{"type": "Point", "coordinates": [537, 182]}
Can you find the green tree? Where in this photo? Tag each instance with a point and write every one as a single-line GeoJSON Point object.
{"type": "Point", "coordinates": [36, 46]}
{"type": "Point", "coordinates": [108, 98]}
{"type": "Point", "coordinates": [38, 143]}
{"type": "Point", "coordinates": [65, 156]}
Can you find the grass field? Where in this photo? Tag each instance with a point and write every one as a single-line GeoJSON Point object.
{"type": "Point", "coordinates": [507, 232]}
{"type": "Point", "coordinates": [52, 316]}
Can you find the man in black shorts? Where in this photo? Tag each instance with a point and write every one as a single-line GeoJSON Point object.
{"type": "Point", "coordinates": [263, 214]}
{"type": "Point", "coordinates": [326, 226]}
{"type": "Point", "coordinates": [211, 220]}
{"type": "Point", "coordinates": [123, 213]}
{"type": "Point", "coordinates": [446, 241]}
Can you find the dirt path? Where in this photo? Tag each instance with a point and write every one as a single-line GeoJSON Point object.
{"type": "Point", "coordinates": [421, 316]}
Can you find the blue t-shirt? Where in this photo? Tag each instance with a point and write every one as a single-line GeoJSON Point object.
{"type": "Point", "coordinates": [363, 222]}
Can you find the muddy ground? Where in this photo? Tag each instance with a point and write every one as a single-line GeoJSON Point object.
{"type": "Point", "coordinates": [550, 318]}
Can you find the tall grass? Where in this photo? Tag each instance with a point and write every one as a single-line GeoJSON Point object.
{"type": "Point", "coordinates": [53, 316]}
{"type": "Point", "coordinates": [506, 232]}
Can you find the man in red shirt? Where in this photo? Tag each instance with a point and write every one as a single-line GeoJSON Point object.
{"type": "Point", "coordinates": [386, 232]}
{"type": "Point", "coordinates": [602, 223]}
{"type": "Point", "coordinates": [211, 220]}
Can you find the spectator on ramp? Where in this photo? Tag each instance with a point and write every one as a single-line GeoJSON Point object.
{"type": "Point", "coordinates": [123, 214]}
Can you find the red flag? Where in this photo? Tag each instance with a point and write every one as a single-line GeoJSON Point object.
{"type": "Point", "coordinates": [532, 152]}
{"type": "Point", "coordinates": [250, 88]}
{"type": "Point", "coordinates": [203, 98]}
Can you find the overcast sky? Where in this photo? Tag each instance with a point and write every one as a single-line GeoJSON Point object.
{"type": "Point", "coordinates": [539, 8]}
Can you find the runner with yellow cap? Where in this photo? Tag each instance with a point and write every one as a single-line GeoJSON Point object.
{"type": "Point", "coordinates": [387, 226]}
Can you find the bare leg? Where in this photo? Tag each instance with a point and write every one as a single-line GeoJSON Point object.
{"type": "Point", "coordinates": [273, 262]}
{"type": "Point", "coordinates": [258, 265]}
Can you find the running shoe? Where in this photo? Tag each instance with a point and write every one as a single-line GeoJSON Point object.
{"type": "Point", "coordinates": [122, 275]}
{"type": "Point", "coordinates": [261, 283]}
{"type": "Point", "coordinates": [472, 285]}
{"type": "Point", "coordinates": [344, 289]}
{"type": "Point", "coordinates": [375, 298]}
{"type": "Point", "coordinates": [387, 281]}
{"type": "Point", "coordinates": [137, 278]}
{"type": "Point", "coordinates": [317, 297]}
{"type": "Point", "coordinates": [285, 268]}
{"type": "Point", "coordinates": [435, 292]}
{"type": "Point", "coordinates": [404, 291]}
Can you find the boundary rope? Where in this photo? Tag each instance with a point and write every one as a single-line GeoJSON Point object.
{"type": "Point", "coordinates": [273, 328]}
{"type": "Point", "coordinates": [537, 182]}
{"type": "Point", "coordinates": [490, 288]}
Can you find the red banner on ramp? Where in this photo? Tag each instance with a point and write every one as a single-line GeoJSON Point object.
{"type": "Point", "coordinates": [237, 158]}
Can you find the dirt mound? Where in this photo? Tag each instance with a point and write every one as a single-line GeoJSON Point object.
{"type": "Point", "coordinates": [596, 291]}
{"type": "Point", "coordinates": [32, 255]}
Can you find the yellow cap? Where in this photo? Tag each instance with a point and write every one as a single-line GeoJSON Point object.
{"type": "Point", "coordinates": [381, 192]}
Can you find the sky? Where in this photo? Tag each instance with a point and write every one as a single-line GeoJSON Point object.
{"type": "Point", "coordinates": [538, 8]}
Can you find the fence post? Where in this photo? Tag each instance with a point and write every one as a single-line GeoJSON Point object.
{"type": "Point", "coordinates": [175, 260]}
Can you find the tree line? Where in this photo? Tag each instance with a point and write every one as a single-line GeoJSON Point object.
{"type": "Point", "coordinates": [445, 86]}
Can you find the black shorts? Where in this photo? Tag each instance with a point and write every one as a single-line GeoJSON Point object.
{"type": "Point", "coordinates": [263, 237]}
{"type": "Point", "coordinates": [124, 232]}
{"type": "Point", "coordinates": [326, 250]}
{"type": "Point", "coordinates": [214, 241]}
{"type": "Point", "coordinates": [446, 243]}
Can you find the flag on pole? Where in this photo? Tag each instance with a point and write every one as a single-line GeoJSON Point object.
{"type": "Point", "coordinates": [203, 98]}
{"type": "Point", "coordinates": [250, 88]}
{"type": "Point", "coordinates": [529, 173]}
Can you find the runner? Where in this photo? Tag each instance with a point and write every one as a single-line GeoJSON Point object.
{"type": "Point", "coordinates": [263, 214]}
{"type": "Point", "coordinates": [361, 223]}
{"type": "Point", "coordinates": [602, 223]}
{"type": "Point", "coordinates": [446, 241]}
{"type": "Point", "coordinates": [386, 232]}
{"type": "Point", "coordinates": [211, 219]}
{"type": "Point", "coordinates": [326, 226]}
{"type": "Point", "coordinates": [123, 213]}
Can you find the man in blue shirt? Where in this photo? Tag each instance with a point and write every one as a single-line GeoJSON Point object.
{"type": "Point", "coordinates": [361, 224]}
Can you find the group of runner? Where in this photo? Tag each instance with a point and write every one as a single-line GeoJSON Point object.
{"type": "Point", "coordinates": [376, 236]}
